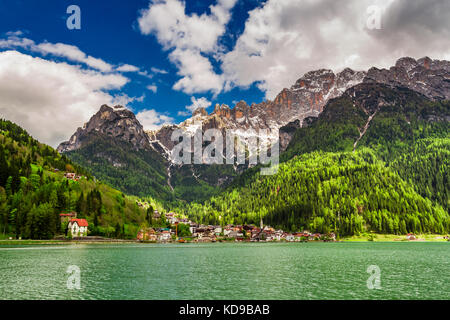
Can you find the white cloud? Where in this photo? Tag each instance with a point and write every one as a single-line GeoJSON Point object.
{"type": "Point", "coordinates": [156, 70]}
{"type": "Point", "coordinates": [184, 113]}
{"type": "Point", "coordinates": [284, 39]}
{"type": "Point", "coordinates": [152, 120]}
{"type": "Point", "coordinates": [152, 88]}
{"type": "Point", "coordinates": [17, 33]}
{"type": "Point", "coordinates": [50, 99]}
{"type": "Point", "coordinates": [73, 53]}
{"type": "Point", "coordinates": [127, 68]}
{"type": "Point", "coordinates": [192, 37]}
{"type": "Point", "coordinates": [196, 103]}
{"type": "Point", "coordinates": [145, 74]}
{"type": "Point", "coordinates": [14, 41]}
{"type": "Point", "coordinates": [70, 52]}
{"type": "Point", "coordinates": [124, 100]}
{"type": "Point", "coordinates": [196, 71]}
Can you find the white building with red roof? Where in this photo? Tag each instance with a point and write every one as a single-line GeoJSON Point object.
{"type": "Point", "coordinates": [78, 227]}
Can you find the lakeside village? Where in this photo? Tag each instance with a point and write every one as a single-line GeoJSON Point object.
{"type": "Point", "coordinates": [183, 230]}
{"type": "Point", "coordinates": [214, 233]}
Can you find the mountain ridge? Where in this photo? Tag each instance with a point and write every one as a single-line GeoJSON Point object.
{"type": "Point", "coordinates": [292, 109]}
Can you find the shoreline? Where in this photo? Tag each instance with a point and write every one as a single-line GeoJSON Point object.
{"type": "Point", "coordinates": [375, 238]}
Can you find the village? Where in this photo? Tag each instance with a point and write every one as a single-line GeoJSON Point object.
{"type": "Point", "coordinates": [179, 229]}
{"type": "Point", "coordinates": [217, 233]}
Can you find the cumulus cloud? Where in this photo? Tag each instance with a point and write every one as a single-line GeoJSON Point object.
{"type": "Point", "coordinates": [284, 39]}
{"type": "Point", "coordinates": [192, 38]}
{"type": "Point", "coordinates": [127, 68]}
{"type": "Point", "coordinates": [15, 41]}
{"type": "Point", "coordinates": [51, 99]}
{"type": "Point", "coordinates": [124, 100]}
{"type": "Point", "coordinates": [196, 103]}
{"type": "Point", "coordinates": [70, 52]}
{"type": "Point", "coordinates": [73, 53]}
{"type": "Point", "coordinates": [152, 88]}
{"type": "Point", "coordinates": [152, 120]}
{"type": "Point", "coordinates": [196, 71]}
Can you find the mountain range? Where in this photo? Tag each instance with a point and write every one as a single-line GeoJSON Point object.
{"type": "Point", "coordinates": [118, 149]}
{"type": "Point", "coordinates": [362, 152]}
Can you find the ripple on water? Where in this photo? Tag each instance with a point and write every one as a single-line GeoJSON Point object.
{"type": "Point", "coordinates": [227, 271]}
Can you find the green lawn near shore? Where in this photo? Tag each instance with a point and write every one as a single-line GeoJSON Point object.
{"type": "Point", "coordinates": [395, 237]}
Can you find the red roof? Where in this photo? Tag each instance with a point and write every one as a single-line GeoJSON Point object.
{"type": "Point", "coordinates": [80, 222]}
{"type": "Point", "coordinates": [67, 214]}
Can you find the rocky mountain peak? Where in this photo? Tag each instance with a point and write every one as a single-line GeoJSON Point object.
{"type": "Point", "coordinates": [406, 63]}
{"type": "Point", "coordinates": [117, 122]}
{"type": "Point", "coordinates": [200, 112]}
{"type": "Point", "coordinates": [222, 111]}
{"type": "Point", "coordinates": [426, 76]}
{"type": "Point", "coordinates": [306, 99]}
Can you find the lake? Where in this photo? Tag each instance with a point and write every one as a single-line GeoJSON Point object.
{"type": "Point", "coordinates": [228, 271]}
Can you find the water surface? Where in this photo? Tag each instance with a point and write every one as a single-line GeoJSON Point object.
{"type": "Point", "coordinates": [227, 271]}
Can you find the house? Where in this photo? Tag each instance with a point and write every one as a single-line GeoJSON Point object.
{"type": "Point", "coordinates": [78, 227]}
{"type": "Point", "coordinates": [248, 227]}
{"type": "Point", "coordinates": [411, 236]}
{"type": "Point", "coordinates": [289, 237]}
{"type": "Point", "coordinates": [171, 218]}
{"type": "Point", "coordinates": [193, 227]}
{"type": "Point", "coordinates": [227, 231]}
{"type": "Point", "coordinates": [164, 236]}
{"type": "Point", "coordinates": [65, 217]}
{"type": "Point", "coordinates": [217, 230]}
{"type": "Point", "coordinates": [314, 237]}
{"type": "Point", "coordinates": [70, 175]}
{"type": "Point", "coordinates": [149, 235]}
{"type": "Point", "coordinates": [144, 205]}
{"type": "Point", "coordinates": [156, 215]}
{"type": "Point", "coordinates": [279, 234]}
{"type": "Point", "coordinates": [235, 234]}
{"type": "Point", "coordinates": [200, 232]}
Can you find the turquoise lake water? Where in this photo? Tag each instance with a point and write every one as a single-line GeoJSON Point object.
{"type": "Point", "coordinates": [228, 271]}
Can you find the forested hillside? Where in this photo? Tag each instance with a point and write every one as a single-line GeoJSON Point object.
{"type": "Point", "coordinates": [34, 191]}
{"type": "Point", "coordinates": [348, 193]}
{"type": "Point", "coordinates": [395, 119]}
{"type": "Point", "coordinates": [426, 167]}
{"type": "Point", "coordinates": [376, 159]}
{"type": "Point", "coordinates": [134, 171]}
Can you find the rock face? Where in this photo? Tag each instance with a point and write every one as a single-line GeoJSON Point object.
{"type": "Point", "coordinates": [287, 133]}
{"type": "Point", "coordinates": [116, 122]}
{"type": "Point", "coordinates": [271, 120]}
{"type": "Point", "coordinates": [427, 76]}
{"type": "Point", "coordinates": [307, 98]}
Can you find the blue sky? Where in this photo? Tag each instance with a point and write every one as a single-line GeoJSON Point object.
{"type": "Point", "coordinates": [109, 31]}
{"type": "Point", "coordinates": [164, 58]}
